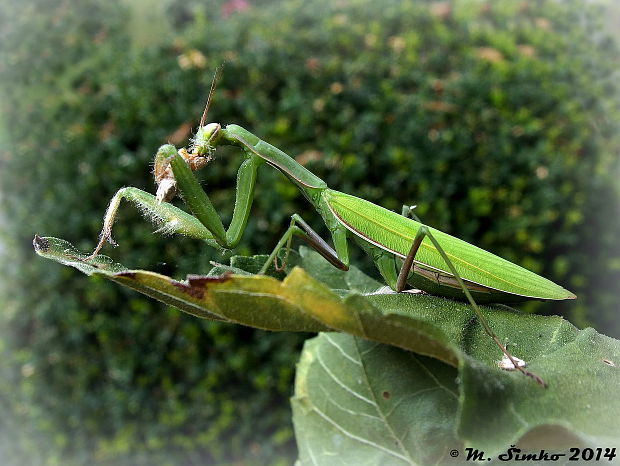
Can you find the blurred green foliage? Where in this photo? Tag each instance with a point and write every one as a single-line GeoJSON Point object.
{"type": "Point", "coordinates": [499, 120]}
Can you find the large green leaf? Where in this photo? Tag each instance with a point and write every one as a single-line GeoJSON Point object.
{"type": "Point", "coordinates": [480, 405]}
{"type": "Point", "coordinates": [365, 403]}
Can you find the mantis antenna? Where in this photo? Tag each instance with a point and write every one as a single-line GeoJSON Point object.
{"type": "Point", "coordinates": [216, 77]}
{"type": "Point", "coordinates": [198, 155]}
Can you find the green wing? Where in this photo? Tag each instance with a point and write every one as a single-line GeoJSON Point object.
{"type": "Point", "coordinates": [395, 233]}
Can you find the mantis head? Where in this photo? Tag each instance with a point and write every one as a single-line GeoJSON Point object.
{"type": "Point", "coordinates": [203, 143]}
{"type": "Point", "coordinates": [198, 155]}
{"type": "Point", "coordinates": [196, 158]}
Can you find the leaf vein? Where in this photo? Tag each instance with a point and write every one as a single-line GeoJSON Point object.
{"type": "Point", "coordinates": [358, 438]}
{"type": "Point", "coordinates": [408, 395]}
{"type": "Point", "coordinates": [342, 351]}
{"type": "Point", "coordinates": [346, 410]}
{"type": "Point", "coordinates": [342, 384]}
{"type": "Point", "coordinates": [381, 414]}
{"type": "Point", "coordinates": [432, 376]}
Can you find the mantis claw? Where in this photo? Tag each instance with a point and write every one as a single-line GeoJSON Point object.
{"type": "Point", "coordinates": [278, 268]}
{"type": "Point", "coordinates": [102, 240]}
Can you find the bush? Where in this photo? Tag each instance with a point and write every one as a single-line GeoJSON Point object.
{"type": "Point", "coordinates": [497, 119]}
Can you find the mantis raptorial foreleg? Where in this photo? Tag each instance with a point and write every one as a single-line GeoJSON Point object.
{"type": "Point", "coordinates": [407, 266]}
{"type": "Point", "coordinates": [205, 223]}
{"type": "Point", "coordinates": [169, 218]}
{"type": "Point", "coordinates": [200, 205]}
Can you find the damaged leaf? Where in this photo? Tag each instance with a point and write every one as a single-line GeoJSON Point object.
{"type": "Point", "coordinates": [477, 403]}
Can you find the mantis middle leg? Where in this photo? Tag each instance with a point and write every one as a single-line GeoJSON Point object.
{"type": "Point", "coordinates": [312, 238]}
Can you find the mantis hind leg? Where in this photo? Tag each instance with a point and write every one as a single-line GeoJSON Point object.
{"type": "Point", "coordinates": [314, 241]}
{"type": "Point", "coordinates": [423, 231]}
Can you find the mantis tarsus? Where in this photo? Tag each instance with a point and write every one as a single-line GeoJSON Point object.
{"type": "Point", "coordinates": [432, 261]}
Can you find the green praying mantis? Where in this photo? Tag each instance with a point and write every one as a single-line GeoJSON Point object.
{"type": "Point", "coordinates": [405, 251]}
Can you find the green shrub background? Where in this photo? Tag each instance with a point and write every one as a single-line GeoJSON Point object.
{"type": "Point", "coordinates": [499, 120]}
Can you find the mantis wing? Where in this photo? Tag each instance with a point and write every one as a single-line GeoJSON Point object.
{"type": "Point", "coordinates": [490, 277]}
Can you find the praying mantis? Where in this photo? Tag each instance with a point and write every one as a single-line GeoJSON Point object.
{"type": "Point", "coordinates": [404, 250]}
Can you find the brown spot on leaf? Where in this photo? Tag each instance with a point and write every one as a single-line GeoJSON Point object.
{"type": "Point", "coordinates": [40, 244]}
{"type": "Point", "coordinates": [201, 280]}
{"type": "Point", "coordinates": [386, 395]}
{"type": "Point", "coordinates": [92, 264]}
{"type": "Point", "coordinates": [197, 284]}
{"type": "Point", "coordinates": [609, 362]}
{"type": "Point", "coordinates": [131, 275]}
{"type": "Point", "coordinates": [194, 292]}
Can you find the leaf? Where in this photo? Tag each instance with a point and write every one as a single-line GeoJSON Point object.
{"type": "Point", "coordinates": [345, 414]}
{"type": "Point", "coordinates": [256, 300]}
{"type": "Point", "coordinates": [495, 408]}
{"type": "Point", "coordinates": [360, 402]}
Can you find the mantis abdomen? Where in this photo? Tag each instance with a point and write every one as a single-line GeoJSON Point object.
{"type": "Point", "coordinates": [488, 277]}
